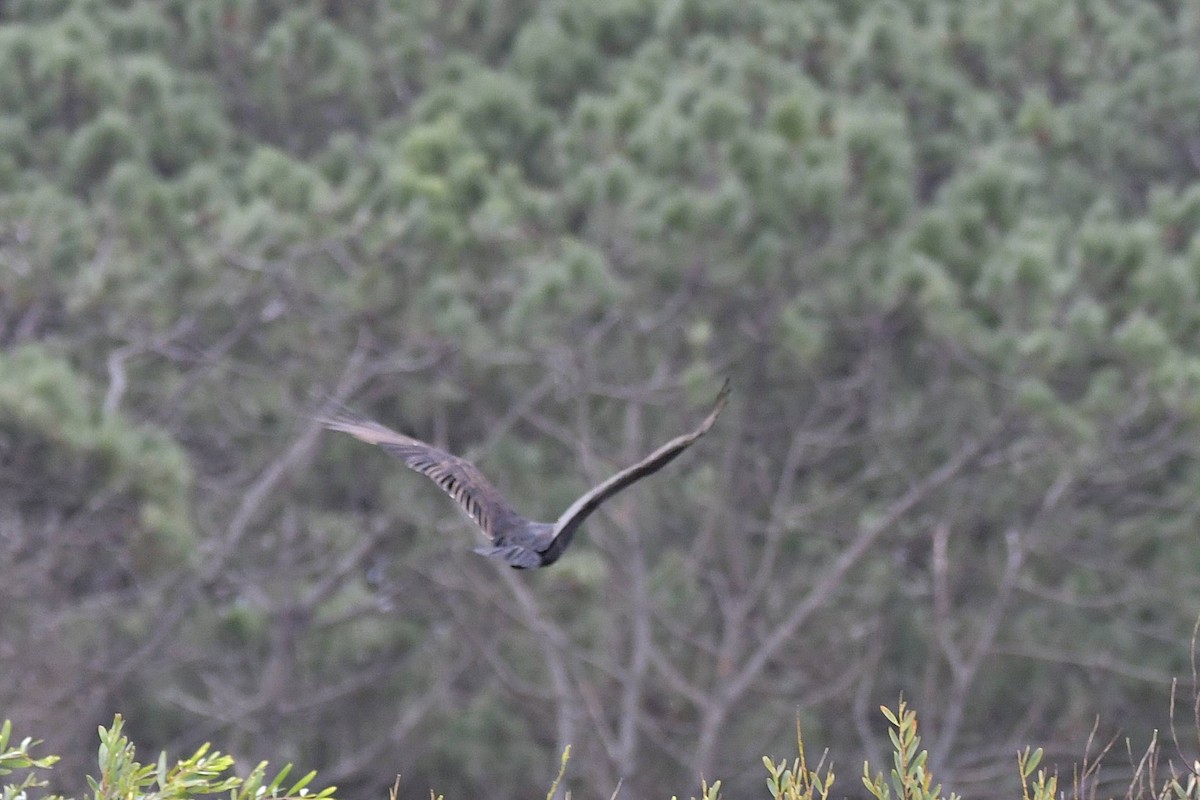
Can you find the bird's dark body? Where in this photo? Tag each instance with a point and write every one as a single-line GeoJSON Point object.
{"type": "Point", "coordinates": [520, 542]}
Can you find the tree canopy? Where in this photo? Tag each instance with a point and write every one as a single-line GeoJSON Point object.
{"type": "Point", "coordinates": [948, 254]}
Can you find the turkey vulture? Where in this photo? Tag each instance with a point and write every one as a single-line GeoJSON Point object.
{"type": "Point", "coordinates": [520, 542]}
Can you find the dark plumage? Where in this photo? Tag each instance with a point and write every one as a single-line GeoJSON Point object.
{"type": "Point", "coordinates": [520, 542]}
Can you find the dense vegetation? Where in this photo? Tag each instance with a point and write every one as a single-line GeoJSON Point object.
{"type": "Point", "coordinates": [206, 773]}
{"type": "Point", "coordinates": [949, 254]}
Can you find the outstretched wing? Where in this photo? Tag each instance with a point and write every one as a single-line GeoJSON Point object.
{"type": "Point", "coordinates": [457, 477]}
{"type": "Point", "coordinates": [570, 519]}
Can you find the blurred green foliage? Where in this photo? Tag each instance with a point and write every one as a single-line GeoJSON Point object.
{"type": "Point", "coordinates": [538, 232]}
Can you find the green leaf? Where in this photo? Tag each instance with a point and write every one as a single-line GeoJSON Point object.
{"type": "Point", "coordinates": [278, 781]}
{"type": "Point", "coordinates": [300, 784]}
{"type": "Point", "coordinates": [1031, 762]}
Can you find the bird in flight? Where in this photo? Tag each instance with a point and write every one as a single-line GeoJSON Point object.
{"type": "Point", "coordinates": [520, 542]}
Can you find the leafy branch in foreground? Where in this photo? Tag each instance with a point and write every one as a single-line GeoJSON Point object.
{"type": "Point", "coordinates": [910, 779]}
{"type": "Point", "coordinates": [799, 782]}
{"type": "Point", "coordinates": [19, 758]}
{"type": "Point", "coordinates": [1045, 787]}
{"type": "Point", "coordinates": [708, 792]}
{"type": "Point", "coordinates": [122, 777]}
{"type": "Point", "coordinates": [206, 773]}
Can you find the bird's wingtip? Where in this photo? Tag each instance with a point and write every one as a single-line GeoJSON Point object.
{"type": "Point", "coordinates": [339, 419]}
{"type": "Point", "coordinates": [357, 425]}
{"type": "Point", "coordinates": [722, 396]}
{"type": "Point", "coordinates": [718, 406]}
